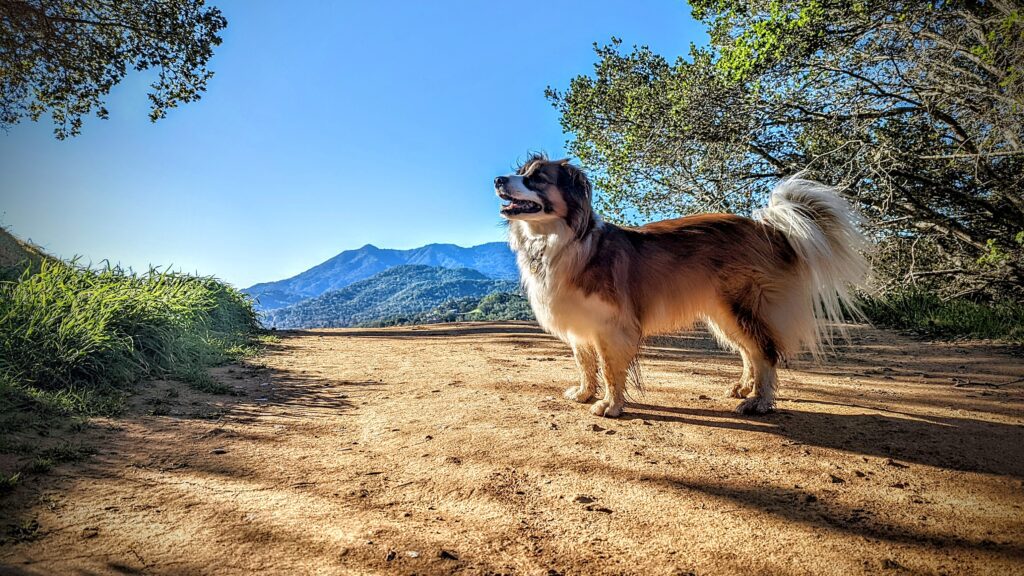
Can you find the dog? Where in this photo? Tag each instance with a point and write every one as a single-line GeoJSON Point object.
{"type": "Point", "coordinates": [768, 287]}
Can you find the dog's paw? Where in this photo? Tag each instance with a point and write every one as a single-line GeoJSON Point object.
{"type": "Point", "coordinates": [603, 408]}
{"type": "Point", "coordinates": [740, 391]}
{"type": "Point", "coordinates": [756, 405]}
{"type": "Point", "coordinates": [578, 394]}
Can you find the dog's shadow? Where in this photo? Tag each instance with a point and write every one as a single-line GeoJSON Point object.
{"type": "Point", "coordinates": [960, 444]}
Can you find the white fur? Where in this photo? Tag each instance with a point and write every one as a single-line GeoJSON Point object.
{"type": "Point", "coordinates": [579, 318]}
{"type": "Point", "coordinates": [824, 230]}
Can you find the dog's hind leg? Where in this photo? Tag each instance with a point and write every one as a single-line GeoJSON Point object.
{"type": "Point", "coordinates": [616, 352]}
{"type": "Point", "coordinates": [730, 335]}
{"type": "Point", "coordinates": [586, 363]}
{"type": "Point", "coordinates": [750, 334]}
{"type": "Point", "coordinates": [745, 386]}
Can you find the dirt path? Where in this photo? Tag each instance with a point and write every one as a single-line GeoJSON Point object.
{"type": "Point", "coordinates": [450, 450]}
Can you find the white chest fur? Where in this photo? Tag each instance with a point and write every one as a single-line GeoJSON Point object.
{"type": "Point", "coordinates": [549, 262]}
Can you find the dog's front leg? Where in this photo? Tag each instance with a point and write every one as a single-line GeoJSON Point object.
{"type": "Point", "coordinates": [616, 354]}
{"type": "Point", "coordinates": [586, 363]}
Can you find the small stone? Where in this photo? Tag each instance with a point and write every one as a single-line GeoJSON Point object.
{"type": "Point", "coordinates": [609, 432]}
{"type": "Point", "coordinates": [596, 428]}
{"type": "Point", "coordinates": [835, 479]}
{"type": "Point", "coordinates": [90, 532]}
{"type": "Point", "coordinates": [219, 451]}
{"type": "Point", "coordinates": [447, 555]}
{"type": "Point", "coordinates": [583, 499]}
{"type": "Point", "coordinates": [893, 463]}
{"type": "Point", "coordinates": [391, 556]}
{"type": "Point", "coordinates": [412, 554]}
{"type": "Point", "coordinates": [703, 397]}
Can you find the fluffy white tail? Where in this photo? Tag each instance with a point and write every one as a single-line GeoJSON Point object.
{"type": "Point", "coordinates": [824, 230]}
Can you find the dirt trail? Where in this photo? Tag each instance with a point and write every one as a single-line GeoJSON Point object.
{"type": "Point", "coordinates": [449, 449]}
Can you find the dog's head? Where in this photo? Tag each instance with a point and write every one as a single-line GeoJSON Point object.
{"type": "Point", "coordinates": [545, 190]}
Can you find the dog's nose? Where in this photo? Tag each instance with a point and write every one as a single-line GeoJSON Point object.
{"type": "Point", "coordinates": [500, 181]}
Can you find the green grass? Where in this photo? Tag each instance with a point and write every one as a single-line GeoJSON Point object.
{"type": "Point", "coordinates": [930, 315]}
{"type": "Point", "coordinates": [74, 339]}
{"type": "Point", "coordinates": [9, 481]}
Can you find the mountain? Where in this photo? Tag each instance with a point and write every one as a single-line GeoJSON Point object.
{"type": "Point", "coordinates": [493, 260]}
{"type": "Point", "coordinates": [496, 306]}
{"type": "Point", "coordinates": [394, 293]}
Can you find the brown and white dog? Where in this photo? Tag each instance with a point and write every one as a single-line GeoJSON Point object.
{"type": "Point", "coordinates": [767, 287]}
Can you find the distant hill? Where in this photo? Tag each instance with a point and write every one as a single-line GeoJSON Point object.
{"type": "Point", "coordinates": [494, 260]}
{"type": "Point", "coordinates": [496, 306]}
{"type": "Point", "coordinates": [397, 292]}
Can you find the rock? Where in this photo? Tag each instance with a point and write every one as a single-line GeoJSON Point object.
{"type": "Point", "coordinates": [596, 428]}
{"type": "Point", "coordinates": [219, 451]}
{"type": "Point", "coordinates": [583, 499]}
{"type": "Point", "coordinates": [447, 555]}
{"type": "Point", "coordinates": [391, 556]}
{"type": "Point", "coordinates": [412, 554]}
{"type": "Point", "coordinates": [835, 479]}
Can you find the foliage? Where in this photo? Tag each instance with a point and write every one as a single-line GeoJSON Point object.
{"type": "Point", "coordinates": [914, 108]}
{"type": "Point", "coordinates": [399, 291]}
{"type": "Point", "coordinates": [496, 306]}
{"type": "Point", "coordinates": [64, 56]}
{"type": "Point", "coordinates": [928, 314]}
{"type": "Point", "coordinates": [72, 338]}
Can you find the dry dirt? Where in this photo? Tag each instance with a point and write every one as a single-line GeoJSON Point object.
{"type": "Point", "coordinates": [449, 449]}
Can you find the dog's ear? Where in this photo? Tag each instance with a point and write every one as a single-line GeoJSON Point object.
{"type": "Point", "coordinates": [574, 181]}
{"type": "Point", "coordinates": [575, 187]}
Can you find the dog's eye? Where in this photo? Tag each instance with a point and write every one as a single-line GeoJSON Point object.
{"type": "Point", "coordinates": [535, 180]}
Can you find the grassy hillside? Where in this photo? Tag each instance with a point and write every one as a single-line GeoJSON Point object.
{"type": "Point", "coordinates": [398, 292]}
{"type": "Point", "coordinates": [16, 255]}
{"type": "Point", "coordinates": [73, 340]}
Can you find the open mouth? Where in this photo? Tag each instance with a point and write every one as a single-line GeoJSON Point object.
{"type": "Point", "coordinates": [515, 206]}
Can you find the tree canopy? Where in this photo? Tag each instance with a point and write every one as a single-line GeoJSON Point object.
{"type": "Point", "coordinates": [64, 56]}
{"type": "Point", "coordinates": [914, 108]}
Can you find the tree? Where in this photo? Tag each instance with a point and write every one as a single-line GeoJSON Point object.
{"type": "Point", "coordinates": [914, 108]}
{"type": "Point", "coordinates": [64, 56]}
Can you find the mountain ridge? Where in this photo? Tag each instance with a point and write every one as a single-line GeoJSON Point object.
{"type": "Point", "coordinates": [399, 291]}
{"type": "Point", "coordinates": [492, 259]}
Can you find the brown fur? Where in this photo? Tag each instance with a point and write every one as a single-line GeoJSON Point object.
{"type": "Point", "coordinates": [603, 288]}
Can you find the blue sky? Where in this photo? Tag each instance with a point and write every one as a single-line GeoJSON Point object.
{"type": "Point", "coordinates": [327, 126]}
